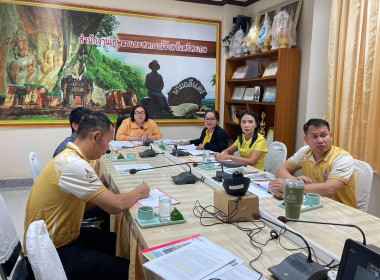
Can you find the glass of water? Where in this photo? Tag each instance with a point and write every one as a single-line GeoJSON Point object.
{"type": "Point", "coordinates": [165, 203]}
{"type": "Point", "coordinates": [115, 151]}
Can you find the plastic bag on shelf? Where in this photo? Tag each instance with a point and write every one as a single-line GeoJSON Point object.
{"type": "Point", "coordinates": [236, 48]}
{"type": "Point", "coordinates": [250, 41]}
{"type": "Point", "coordinates": [264, 37]}
{"type": "Point", "coordinates": [283, 31]}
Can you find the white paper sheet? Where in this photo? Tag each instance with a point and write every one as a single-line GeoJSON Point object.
{"type": "Point", "coordinates": [234, 271]}
{"type": "Point", "coordinates": [124, 169]}
{"type": "Point", "coordinates": [153, 199]}
{"type": "Point", "coordinates": [258, 190]}
{"type": "Point", "coordinates": [191, 262]}
{"type": "Point", "coordinates": [121, 144]}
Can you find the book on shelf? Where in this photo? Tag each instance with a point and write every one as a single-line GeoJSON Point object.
{"type": "Point", "coordinates": [238, 93]}
{"type": "Point", "coordinates": [236, 110]}
{"type": "Point", "coordinates": [240, 72]}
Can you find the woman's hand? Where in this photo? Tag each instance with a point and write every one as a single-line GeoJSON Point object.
{"type": "Point", "coordinates": [142, 137]}
{"type": "Point", "coordinates": [221, 156]}
{"type": "Point", "coordinates": [184, 143]}
{"type": "Point", "coordinates": [200, 146]}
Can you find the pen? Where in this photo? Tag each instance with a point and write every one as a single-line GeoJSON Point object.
{"type": "Point", "coordinates": [143, 181]}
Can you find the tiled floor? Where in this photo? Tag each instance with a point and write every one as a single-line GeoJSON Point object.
{"type": "Point", "coordinates": [16, 198]}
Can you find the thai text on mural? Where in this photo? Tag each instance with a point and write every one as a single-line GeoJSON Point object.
{"type": "Point", "coordinates": [163, 45]}
{"type": "Point", "coordinates": [190, 84]}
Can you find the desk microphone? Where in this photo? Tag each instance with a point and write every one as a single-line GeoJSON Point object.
{"type": "Point", "coordinates": [285, 220]}
{"type": "Point", "coordinates": [296, 266]}
{"type": "Point", "coordinates": [185, 177]}
{"type": "Point", "coordinates": [147, 142]}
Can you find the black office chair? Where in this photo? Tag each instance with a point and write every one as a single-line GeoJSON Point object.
{"type": "Point", "coordinates": [119, 120]}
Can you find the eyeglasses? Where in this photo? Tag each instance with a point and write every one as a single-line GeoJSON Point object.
{"type": "Point", "coordinates": [210, 120]}
{"type": "Point", "coordinates": [140, 113]}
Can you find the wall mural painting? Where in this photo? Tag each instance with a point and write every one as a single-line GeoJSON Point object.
{"type": "Point", "coordinates": [55, 58]}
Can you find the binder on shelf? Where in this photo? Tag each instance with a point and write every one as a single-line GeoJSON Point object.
{"type": "Point", "coordinates": [238, 93]}
{"type": "Point", "coordinates": [256, 67]}
{"type": "Point", "coordinates": [240, 72]}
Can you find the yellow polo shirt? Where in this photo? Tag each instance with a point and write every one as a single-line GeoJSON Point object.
{"type": "Point", "coordinates": [337, 164]}
{"type": "Point", "coordinates": [60, 193]}
{"type": "Point", "coordinates": [259, 145]}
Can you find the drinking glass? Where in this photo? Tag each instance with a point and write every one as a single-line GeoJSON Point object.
{"type": "Point", "coordinates": [165, 203]}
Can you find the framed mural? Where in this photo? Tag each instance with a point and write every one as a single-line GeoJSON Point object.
{"type": "Point", "coordinates": [57, 57]}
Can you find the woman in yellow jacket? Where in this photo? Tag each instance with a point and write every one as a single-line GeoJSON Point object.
{"type": "Point", "coordinates": [138, 127]}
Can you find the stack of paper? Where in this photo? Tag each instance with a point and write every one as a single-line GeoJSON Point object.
{"type": "Point", "coordinates": [196, 258]}
{"type": "Point", "coordinates": [121, 144]}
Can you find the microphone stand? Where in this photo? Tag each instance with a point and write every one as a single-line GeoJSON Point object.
{"type": "Point", "coordinates": [296, 266]}
{"type": "Point", "coordinates": [285, 220]}
{"type": "Point", "coordinates": [147, 142]}
{"type": "Point", "coordinates": [185, 177]}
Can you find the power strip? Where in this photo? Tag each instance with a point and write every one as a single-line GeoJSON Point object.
{"type": "Point", "coordinates": [331, 275]}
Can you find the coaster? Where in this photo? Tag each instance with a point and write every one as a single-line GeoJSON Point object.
{"type": "Point", "coordinates": [209, 166]}
{"type": "Point", "coordinates": [305, 207]}
{"type": "Point", "coordinates": [155, 222]}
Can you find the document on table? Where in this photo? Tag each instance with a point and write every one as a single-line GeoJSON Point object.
{"type": "Point", "coordinates": [124, 169]}
{"type": "Point", "coordinates": [121, 144]}
{"type": "Point", "coordinates": [158, 251]}
{"type": "Point", "coordinates": [260, 189]}
{"type": "Point", "coordinates": [153, 199]}
{"type": "Point", "coordinates": [191, 262]}
{"type": "Point", "coordinates": [234, 271]}
{"type": "Point", "coordinates": [187, 148]}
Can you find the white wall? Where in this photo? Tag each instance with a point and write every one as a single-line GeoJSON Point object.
{"type": "Point", "coordinates": [17, 143]}
{"type": "Point", "coordinates": [313, 30]}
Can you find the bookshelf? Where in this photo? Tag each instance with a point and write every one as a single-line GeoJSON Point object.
{"type": "Point", "coordinates": [280, 114]}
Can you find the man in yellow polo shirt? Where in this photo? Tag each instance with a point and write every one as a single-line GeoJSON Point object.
{"type": "Point", "coordinates": [59, 196]}
{"type": "Point", "coordinates": [326, 169]}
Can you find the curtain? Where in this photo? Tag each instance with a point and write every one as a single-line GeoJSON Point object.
{"type": "Point", "coordinates": [353, 86]}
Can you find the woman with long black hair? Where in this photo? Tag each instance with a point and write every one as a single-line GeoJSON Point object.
{"type": "Point", "coordinates": [251, 145]}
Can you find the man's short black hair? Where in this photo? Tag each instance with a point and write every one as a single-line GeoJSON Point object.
{"type": "Point", "coordinates": [316, 123]}
{"type": "Point", "coordinates": [77, 114]}
{"type": "Point", "coordinates": [94, 121]}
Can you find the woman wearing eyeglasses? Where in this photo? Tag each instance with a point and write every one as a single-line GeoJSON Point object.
{"type": "Point", "coordinates": [251, 145]}
{"type": "Point", "coordinates": [138, 127]}
{"type": "Point", "coordinates": [213, 137]}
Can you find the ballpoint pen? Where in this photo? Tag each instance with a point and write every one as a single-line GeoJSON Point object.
{"type": "Point", "coordinates": [143, 181]}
